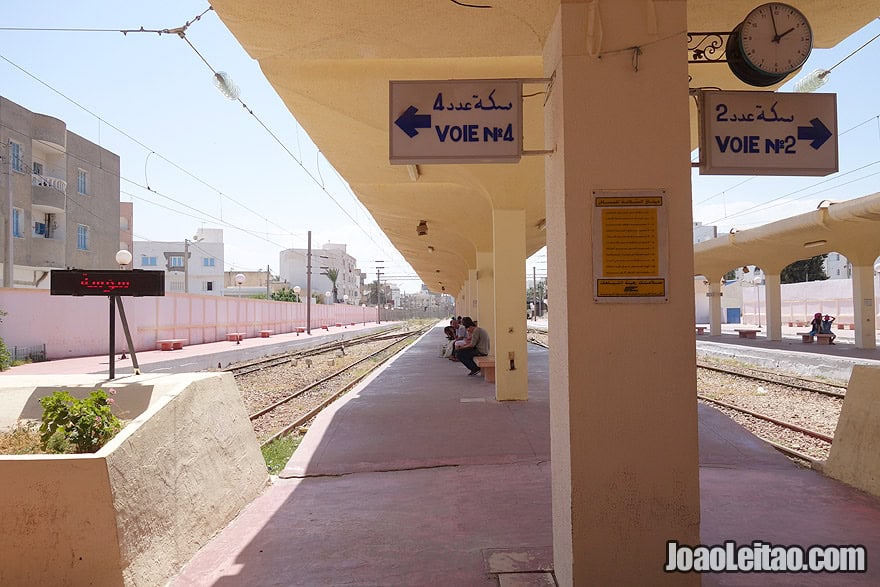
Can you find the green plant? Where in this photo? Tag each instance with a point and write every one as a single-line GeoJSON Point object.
{"type": "Point", "coordinates": [4, 352]}
{"type": "Point", "coordinates": [77, 425]}
{"type": "Point", "coordinates": [278, 452]}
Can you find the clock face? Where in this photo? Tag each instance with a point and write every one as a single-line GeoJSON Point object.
{"type": "Point", "coordinates": [775, 39]}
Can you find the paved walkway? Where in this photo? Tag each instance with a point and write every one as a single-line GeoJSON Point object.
{"type": "Point", "coordinates": [419, 477]}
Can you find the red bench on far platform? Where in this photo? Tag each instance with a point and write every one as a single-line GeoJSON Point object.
{"type": "Point", "coordinates": [235, 336]}
{"type": "Point", "coordinates": [171, 344]}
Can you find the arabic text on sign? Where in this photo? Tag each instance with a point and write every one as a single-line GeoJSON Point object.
{"type": "Point", "coordinates": [630, 242]}
{"type": "Point", "coordinates": [630, 288]}
{"type": "Point", "coordinates": [477, 104]}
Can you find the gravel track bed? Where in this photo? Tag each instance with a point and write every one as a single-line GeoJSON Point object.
{"type": "Point", "coordinates": [818, 449]}
{"type": "Point", "coordinates": [810, 410]}
{"type": "Point", "coordinates": [261, 389]}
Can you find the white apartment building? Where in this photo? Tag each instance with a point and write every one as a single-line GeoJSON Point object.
{"type": "Point", "coordinates": [193, 265]}
{"type": "Point", "coordinates": [293, 264]}
{"type": "Point", "coordinates": [65, 199]}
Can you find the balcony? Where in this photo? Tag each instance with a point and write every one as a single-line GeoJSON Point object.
{"type": "Point", "coordinates": [47, 252]}
{"type": "Point", "coordinates": [50, 130]}
{"type": "Point", "coordinates": [48, 193]}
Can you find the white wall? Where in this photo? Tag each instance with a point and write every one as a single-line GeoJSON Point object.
{"type": "Point", "coordinates": [79, 326]}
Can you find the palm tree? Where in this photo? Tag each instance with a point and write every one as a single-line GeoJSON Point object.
{"type": "Point", "coordinates": [332, 274]}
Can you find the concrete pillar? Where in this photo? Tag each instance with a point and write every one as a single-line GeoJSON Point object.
{"type": "Point", "coordinates": [715, 308]}
{"type": "Point", "coordinates": [473, 295]}
{"type": "Point", "coordinates": [773, 303]}
{"type": "Point", "coordinates": [623, 418]}
{"type": "Point", "coordinates": [509, 344]}
{"type": "Point", "coordinates": [486, 292]}
{"type": "Point", "coordinates": [864, 305]}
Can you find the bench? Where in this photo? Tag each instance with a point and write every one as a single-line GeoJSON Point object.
{"type": "Point", "coordinates": [266, 333]}
{"type": "Point", "coordinates": [701, 329]}
{"type": "Point", "coordinates": [300, 329]}
{"type": "Point", "coordinates": [823, 338]}
{"type": "Point", "coordinates": [487, 367]}
{"type": "Point", "coordinates": [326, 327]}
{"type": "Point", "coordinates": [338, 324]}
{"type": "Point", "coordinates": [236, 337]}
{"type": "Point", "coordinates": [747, 332]}
{"type": "Point", "coordinates": [171, 344]}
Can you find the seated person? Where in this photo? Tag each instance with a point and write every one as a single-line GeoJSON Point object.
{"type": "Point", "coordinates": [826, 327]}
{"type": "Point", "coordinates": [476, 346]}
{"type": "Point", "coordinates": [816, 323]}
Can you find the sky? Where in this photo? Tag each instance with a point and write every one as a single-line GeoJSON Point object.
{"type": "Point", "coordinates": [192, 158]}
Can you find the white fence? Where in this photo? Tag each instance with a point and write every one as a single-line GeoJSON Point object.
{"type": "Point", "coordinates": [800, 301]}
{"type": "Point", "coordinates": [79, 326]}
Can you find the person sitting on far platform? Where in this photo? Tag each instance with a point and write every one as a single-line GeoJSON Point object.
{"type": "Point", "coordinates": [451, 332]}
{"type": "Point", "coordinates": [477, 346]}
{"type": "Point", "coordinates": [826, 327]}
{"type": "Point", "coordinates": [816, 324]}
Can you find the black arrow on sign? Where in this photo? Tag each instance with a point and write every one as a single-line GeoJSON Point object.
{"type": "Point", "coordinates": [409, 121]}
{"type": "Point", "coordinates": [818, 133]}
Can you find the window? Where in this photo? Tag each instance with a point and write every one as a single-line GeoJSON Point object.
{"type": "Point", "coordinates": [82, 182]}
{"type": "Point", "coordinates": [208, 261]}
{"type": "Point", "coordinates": [38, 168]}
{"type": "Point", "coordinates": [175, 261]}
{"type": "Point", "coordinates": [15, 153]}
{"type": "Point", "coordinates": [82, 237]}
{"type": "Point", "coordinates": [209, 285]}
{"type": "Point", "coordinates": [123, 223]}
{"type": "Point", "coordinates": [17, 218]}
{"type": "Point", "coordinates": [148, 261]}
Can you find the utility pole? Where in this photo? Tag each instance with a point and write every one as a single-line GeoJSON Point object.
{"type": "Point", "coordinates": [185, 266]}
{"type": "Point", "coordinates": [268, 277]}
{"type": "Point", "coordinates": [309, 286]}
{"type": "Point", "coordinates": [378, 305]}
{"type": "Point", "coordinates": [9, 265]}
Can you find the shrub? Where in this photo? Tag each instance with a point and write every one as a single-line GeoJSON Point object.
{"type": "Point", "coordinates": [77, 425]}
{"type": "Point", "coordinates": [4, 356]}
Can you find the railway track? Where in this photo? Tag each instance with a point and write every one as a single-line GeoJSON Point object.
{"type": "Point", "coordinates": [279, 414]}
{"type": "Point", "coordinates": [783, 409]}
{"type": "Point", "coordinates": [286, 358]}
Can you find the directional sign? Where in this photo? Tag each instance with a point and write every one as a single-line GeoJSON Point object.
{"type": "Point", "coordinates": [768, 133]}
{"type": "Point", "coordinates": [456, 121]}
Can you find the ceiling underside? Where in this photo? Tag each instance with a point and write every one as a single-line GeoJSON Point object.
{"type": "Point", "coordinates": [331, 63]}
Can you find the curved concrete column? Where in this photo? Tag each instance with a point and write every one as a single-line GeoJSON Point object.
{"type": "Point", "coordinates": [864, 304]}
{"type": "Point", "coordinates": [773, 297]}
{"type": "Point", "coordinates": [715, 308]}
{"type": "Point", "coordinates": [486, 291]}
{"type": "Point", "coordinates": [509, 344]}
{"type": "Point", "coordinates": [623, 420]}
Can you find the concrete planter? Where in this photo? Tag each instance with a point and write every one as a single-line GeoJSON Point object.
{"type": "Point", "coordinates": [137, 510]}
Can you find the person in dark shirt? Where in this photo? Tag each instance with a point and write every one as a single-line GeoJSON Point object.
{"type": "Point", "coordinates": [477, 346]}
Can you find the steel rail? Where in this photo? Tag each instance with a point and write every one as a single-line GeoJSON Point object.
{"type": "Point", "coordinates": [778, 422]}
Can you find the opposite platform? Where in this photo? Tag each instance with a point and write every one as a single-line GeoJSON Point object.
{"type": "Point", "coordinates": [420, 477]}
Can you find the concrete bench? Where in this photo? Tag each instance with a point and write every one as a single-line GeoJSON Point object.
{"type": "Point", "coordinates": [806, 337]}
{"type": "Point", "coordinates": [326, 327]}
{"type": "Point", "coordinates": [487, 367]}
{"type": "Point", "coordinates": [339, 325]}
{"type": "Point", "coordinates": [747, 332]}
{"type": "Point", "coordinates": [236, 337]}
{"type": "Point", "coordinates": [823, 338]}
{"type": "Point", "coordinates": [266, 333]}
{"type": "Point", "coordinates": [701, 329]}
{"type": "Point", "coordinates": [171, 344]}
{"type": "Point", "coordinates": [300, 329]}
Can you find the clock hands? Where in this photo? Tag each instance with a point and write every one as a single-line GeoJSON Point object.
{"type": "Point", "coordinates": [778, 36]}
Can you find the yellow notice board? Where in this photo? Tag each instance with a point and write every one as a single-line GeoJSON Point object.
{"type": "Point", "coordinates": [630, 250]}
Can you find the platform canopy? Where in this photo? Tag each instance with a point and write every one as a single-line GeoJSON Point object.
{"type": "Point", "coordinates": [331, 63]}
{"type": "Point", "coordinates": [851, 228]}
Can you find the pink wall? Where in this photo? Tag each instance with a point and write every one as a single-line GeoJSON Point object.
{"type": "Point", "coordinates": [78, 326]}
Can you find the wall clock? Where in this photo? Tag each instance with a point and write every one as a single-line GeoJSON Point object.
{"type": "Point", "coordinates": [773, 41]}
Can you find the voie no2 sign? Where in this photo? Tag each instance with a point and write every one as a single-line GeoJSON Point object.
{"type": "Point", "coordinates": [455, 121]}
{"type": "Point", "coordinates": [768, 133]}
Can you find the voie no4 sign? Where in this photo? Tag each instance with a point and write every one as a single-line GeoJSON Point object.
{"type": "Point", "coordinates": [768, 133]}
{"type": "Point", "coordinates": [455, 121]}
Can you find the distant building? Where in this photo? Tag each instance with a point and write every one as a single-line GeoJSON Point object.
{"type": "Point", "coordinates": [65, 197]}
{"type": "Point", "coordinates": [837, 266]}
{"type": "Point", "coordinates": [704, 232]}
{"type": "Point", "coordinates": [204, 266]}
{"type": "Point", "coordinates": [254, 283]}
{"type": "Point", "coordinates": [126, 226]}
{"type": "Point", "coordinates": [349, 282]}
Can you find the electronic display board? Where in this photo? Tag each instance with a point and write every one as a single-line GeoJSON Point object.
{"type": "Point", "coordinates": [105, 282]}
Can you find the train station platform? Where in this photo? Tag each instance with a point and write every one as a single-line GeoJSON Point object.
{"type": "Point", "coordinates": [419, 477]}
{"type": "Point", "coordinates": [197, 357]}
